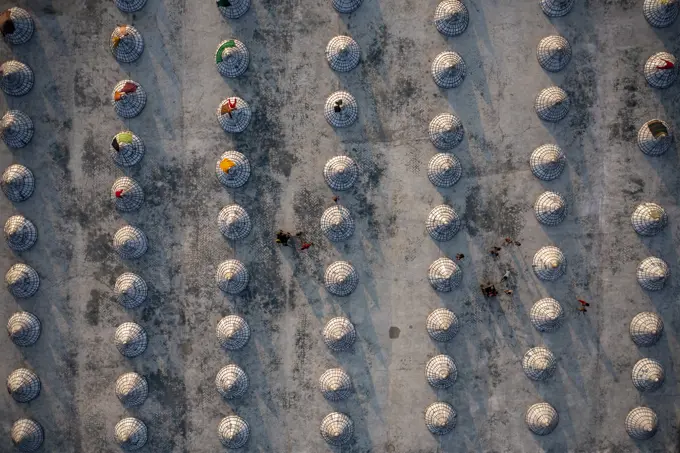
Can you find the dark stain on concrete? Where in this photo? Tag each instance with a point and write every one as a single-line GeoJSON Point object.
{"type": "Point", "coordinates": [394, 332]}
{"type": "Point", "coordinates": [92, 308]}
{"type": "Point", "coordinates": [496, 214]}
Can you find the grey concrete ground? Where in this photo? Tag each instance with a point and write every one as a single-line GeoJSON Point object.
{"type": "Point", "coordinates": [285, 304]}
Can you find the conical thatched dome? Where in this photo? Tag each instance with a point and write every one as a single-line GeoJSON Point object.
{"type": "Point", "coordinates": [660, 13]}
{"type": "Point", "coordinates": [233, 431]}
{"type": "Point", "coordinates": [553, 53]}
{"type": "Point", "coordinates": [232, 276]}
{"type": "Point", "coordinates": [22, 26]}
{"type": "Point", "coordinates": [130, 290]}
{"type": "Point", "coordinates": [339, 334]}
{"type": "Point", "coordinates": [131, 434]}
{"type": "Point", "coordinates": [131, 389]}
{"type": "Point", "coordinates": [550, 208]}
{"type": "Point", "coordinates": [232, 58]}
{"type": "Point", "coordinates": [444, 170]}
{"type": "Point", "coordinates": [337, 223]}
{"type": "Point", "coordinates": [646, 328]}
{"type": "Point", "coordinates": [655, 138]}
{"type": "Point", "coordinates": [549, 263]}
{"type": "Point", "coordinates": [335, 384]}
{"type": "Point", "coordinates": [642, 423]}
{"type": "Point", "coordinates": [340, 278]}
{"type": "Point", "coordinates": [130, 339]}
{"type": "Point", "coordinates": [234, 115]}
{"type": "Point", "coordinates": [648, 375]}
{"type": "Point", "coordinates": [552, 104]}
{"type": "Point", "coordinates": [22, 281]}
{"type": "Point", "coordinates": [235, 175]}
{"type": "Point", "coordinates": [341, 109]}
{"type": "Point", "coordinates": [130, 243]}
{"type": "Point", "coordinates": [17, 183]}
{"type": "Point", "coordinates": [233, 9]}
{"type": "Point", "coordinates": [126, 43]}
{"type": "Point", "coordinates": [448, 69]}
{"type": "Point", "coordinates": [652, 273]}
{"type": "Point", "coordinates": [346, 6]}
{"type": "Point", "coordinates": [337, 429]}
{"type": "Point", "coordinates": [20, 233]}
{"type": "Point", "coordinates": [130, 6]}
{"type": "Point", "coordinates": [233, 332]}
{"type": "Point", "coordinates": [128, 98]}
{"type": "Point", "coordinates": [16, 129]}
{"type": "Point", "coordinates": [343, 53]}
{"type": "Point", "coordinates": [16, 78]}
{"type": "Point", "coordinates": [451, 18]}
{"type": "Point", "coordinates": [444, 275]}
{"type": "Point", "coordinates": [547, 162]}
{"type": "Point", "coordinates": [340, 173]}
{"type": "Point", "coordinates": [23, 385]}
{"type": "Point", "coordinates": [234, 222]}
{"type": "Point", "coordinates": [126, 194]}
{"type": "Point", "coordinates": [658, 72]}
{"type": "Point", "coordinates": [231, 381]}
{"type": "Point", "coordinates": [547, 315]}
{"type": "Point", "coordinates": [440, 418]}
{"type": "Point", "coordinates": [539, 364]}
{"type": "Point", "coordinates": [27, 435]}
{"type": "Point", "coordinates": [441, 371]}
{"type": "Point", "coordinates": [443, 223]}
{"type": "Point", "coordinates": [649, 219]}
{"type": "Point", "coordinates": [446, 131]}
{"type": "Point", "coordinates": [541, 418]}
{"type": "Point", "coordinates": [126, 149]}
{"type": "Point", "coordinates": [557, 8]}
{"type": "Point", "coordinates": [24, 328]}
{"type": "Point", "coordinates": [442, 324]}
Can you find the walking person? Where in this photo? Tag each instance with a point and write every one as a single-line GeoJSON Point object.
{"type": "Point", "coordinates": [583, 303]}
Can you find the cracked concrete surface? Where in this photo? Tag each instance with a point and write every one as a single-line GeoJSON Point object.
{"type": "Point", "coordinates": [288, 142]}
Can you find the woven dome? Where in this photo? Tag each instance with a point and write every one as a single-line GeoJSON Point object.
{"type": "Point", "coordinates": [126, 194]}
{"type": "Point", "coordinates": [553, 53]}
{"type": "Point", "coordinates": [22, 281]}
{"type": "Point", "coordinates": [341, 109]}
{"type": "Point", "coordinates": [126, 43]}
{"type": "Point", "coordinates": [444, 275]}
{"type": "Point", "coordinates": [20, 233]}
{"type": "Point", "coordinates": [651, 145]}
{"type": "Point", "coordinates": [346, 6]}
{"type": "Point", "coordinates": [451, 18]}
{"type": "Point", "coordinates": [557, 8]}
{"type": "Point", "coordinates": [646, 328]}
{"type": "Point", "coordinates": [130, 339]}
{"type": "Point", "coordinates": [232, 276]}
{"type": "Point", "coordinates": [444, 170]}
{"type": "Point", "coordinates": [130, 6]}
{"type": "Point", "coordinates": [238, 174]}
{"type": "Point", "coordinates": [440, 418]}
{"type": "Point", "coordinates": [234, 432]}
{"type": "Point", "coordinates": [232, 58]}
{"type": "Point", "coordinates": [337, 429]}
{"type": "Point", "coordinates": [448, 69]}
{"type": "Point", "coordinates": [130, 290]}
{"type": "Point", "coordinates": [642, 423]}
{"type": "Point", "coordinates": [649, 219]}
{"type": "Point", "coordinates": [337, 223]}
{"type": "Point", "coordinates": [16, 129]}
{"type": "Point", "coordinates": [656, 76]}
{"type": "Point", "coordinates": [652, 273]}
{"type": "Point", "coordinates": [339, 334]}
{"type": "Point", "coordinates": [18, 183]}
{"type": "Point", "coordinates": [446, 131]}
{"type": "Point", "coordinates": [547, 315]}
{"type": "Point", "coordinates": [236, 116]}
{"type": "Point", "coordinates": [550, 208]}
{"type": "Point", "coordinates": [233, 332]}
{"type": "Point", "coordinates": [343, 53]}
{"type": "Point", "coordinates": [340, 173]}
{"type": "Point", "coordinates": [27, 435]}
{"type": "Point", "coordinates": [23, 385]}
{"type": "Point", "coordinates": [130, 242]}
{"type": "Point", "coordinates": [539, 364]}
{"type": "Point", "coordinates": [335, 384]}
{"type": "Point", "coordinates": [130, 149]}
{"type": "Point", "coordinates": [234, 222]}
{"type": "Point", "coordinates": [24, 328]}
{"type": "Point", "coordinates": [648, 375]}
{"type": "Point", "coordinates": [131, 434]}
{"type": "Point", "coordinates": [443, 223]}
{"type": "Point", "coordinates": [236, 8]}
{"type": "Point", "coordinates": [442, 324]}
{"type": "Point", "coordinates": [340, 278]}
{"type": "Point", "coordinates": [547, 162]}
{"type": "Point", "coordinates": [541, 418]}
{"type": "Point", "coordinates": [660, 13]}
{"type": "Point", "coordinates": [441, 371]}
{"type": "Point", "coordinates": [231, 381]}
{"type": "Point", "coordinates": [17, 78]}
{"type": "Point", "coordinates": [23, 25]}
{"type": "Point", "coordinates": [129, 104]}
{"type": "Point", "coordinates": [131, 389]}
{"type": "Point", "coordinates": [552, 104]}
{"type": "Point", "coordinates": [549, 263]}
